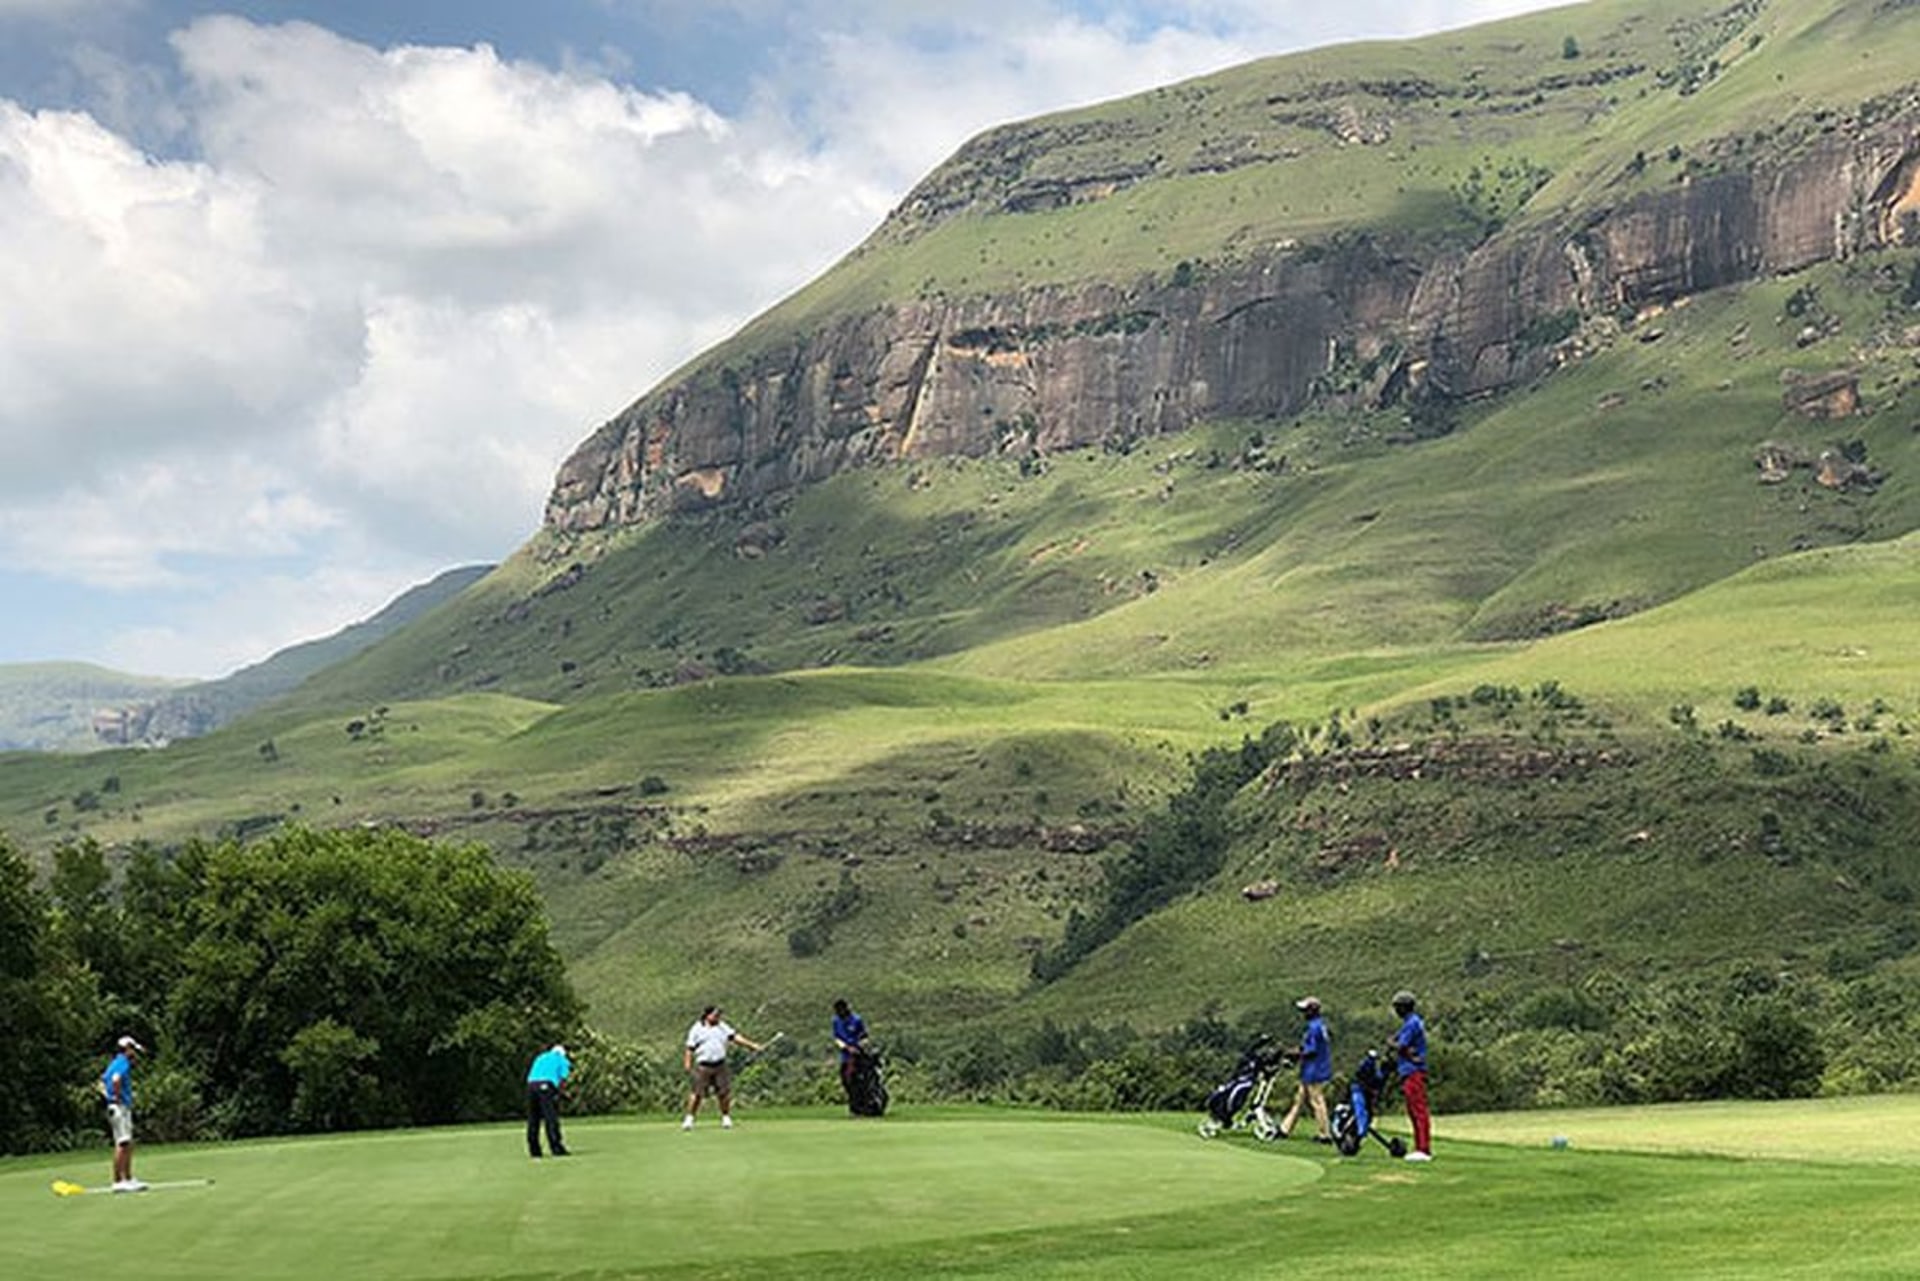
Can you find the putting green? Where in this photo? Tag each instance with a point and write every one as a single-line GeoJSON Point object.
{"type": "Point", "coordinates": [636, 1194]}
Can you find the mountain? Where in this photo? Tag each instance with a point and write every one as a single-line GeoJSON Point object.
{"type": "Point", "coordinates": [77, 707]}
{"type": "Point", "coordinates": [200, 708]}
{"type": "Point", "coordinates": [1496, 451]}
{"type": "Point", "coordinates": [49, 707]}
{"type": "Point", "coordinates": [1379, 225]}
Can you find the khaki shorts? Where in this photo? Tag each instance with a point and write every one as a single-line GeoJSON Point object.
{"type": "Point", "coordinates": [120, 1123]}
{"type": "Point", "coordinates": [711, 1077]}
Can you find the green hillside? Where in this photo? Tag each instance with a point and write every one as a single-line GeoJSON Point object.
{"type": "Point", "coordinates": [1462, 132]}
{"type": "Point", "coordinates": [1600, 691]}
{"type": "Point", "coordinates": [1626, 479]}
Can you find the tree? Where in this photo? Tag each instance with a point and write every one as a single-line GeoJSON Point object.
{"type": "Point", "coordinates": [1176, 851]}
{"type": "Point", "coordinates": [40, 1023]}
{"type": "Point", "coordinates": [364, 978]}
{"type": "Point", "coordinates": [1778, 1054]}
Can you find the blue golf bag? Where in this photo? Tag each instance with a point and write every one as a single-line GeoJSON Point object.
{"type": "Point", "coordinates": [1352, 1119]}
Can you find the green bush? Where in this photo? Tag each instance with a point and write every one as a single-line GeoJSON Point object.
{"type": "Point", "coordinates": [611, 1075]}
{"type": "Point", "coordinates": [1777, 1053]}
{"type": "Point", "coordinates": [170, 1106]}
{"type": "Point", "coordinates": [332, 1088]}
{"type": "Point", "coordinates": [1562, 1007]}
{"type": "Point", "coordinates": [1465, 1080]}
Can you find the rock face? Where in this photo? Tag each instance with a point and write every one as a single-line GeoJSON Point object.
{"type": "Point", "coordinates": [1055, 368]}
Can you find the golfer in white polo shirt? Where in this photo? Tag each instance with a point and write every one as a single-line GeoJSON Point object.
{"type": "Point", "coordinates": [706, 1059]}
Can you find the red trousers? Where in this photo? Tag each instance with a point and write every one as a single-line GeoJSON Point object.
{"type": "Point", "coordinates": [1415, 1089]}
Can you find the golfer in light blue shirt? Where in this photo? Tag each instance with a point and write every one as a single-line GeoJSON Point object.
{"type": "Point", "coordinates": [549, 1072]}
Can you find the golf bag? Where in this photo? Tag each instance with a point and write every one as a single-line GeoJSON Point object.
{"type": "Point", "coordinates": [1240, 1102]}
{"type": "Point", "coordinates": [866, 1085]}
{"type": "Point", "coordinates": [1353, 1120]}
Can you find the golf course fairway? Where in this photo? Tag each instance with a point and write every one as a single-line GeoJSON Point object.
{"type": "Point", "coordinates": [983, 1193]}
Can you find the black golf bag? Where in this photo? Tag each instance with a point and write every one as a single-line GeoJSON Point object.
{"type": "Point", "coordinates": [1240, 1102]}
{"type": "Point", "coordinates": [1353, 1119]}
{"type": "Point", "coordinates": [866, 1084]}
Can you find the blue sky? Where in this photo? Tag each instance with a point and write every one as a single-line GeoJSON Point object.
{"type": "Point", "coordinates": [305, 302]}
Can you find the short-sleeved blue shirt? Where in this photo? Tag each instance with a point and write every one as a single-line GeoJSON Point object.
{"type": "Point", "coordinates": [549, 1068]}
{"type": "Point", "coordinates": [117, 1081]}
{"type": "Point", "coordinates": [1316, 1053]}
{"type": "Point", "coordinates": [850, 1030]}
{"type": "Point", "coordinates": [1412, 1038]}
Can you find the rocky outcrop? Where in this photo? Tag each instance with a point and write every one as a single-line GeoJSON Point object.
{"type": "Point", "coordinates": [1055, 368]}
{"type": "Point", "coordinates": [1822, 396]}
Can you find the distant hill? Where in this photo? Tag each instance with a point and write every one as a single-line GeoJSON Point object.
{"type": "Point", "coordinates": [77, 707]}
{"type": "Point", "coordinates": [198, 709]}
{"type": "Point", "coordinates": [50, 707]}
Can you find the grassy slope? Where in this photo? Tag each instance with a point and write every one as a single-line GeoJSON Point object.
{"type": "Point", "coordinates": [966, 647]}
{"type": "Point", "coordinates": [984, 1195]}
{"type": "Point", "coordinates": [1623, 480]}
{"type": "Point", "coordinates": [1271, 595]}
{"type": "Point", "coordinates": [1246, 161]}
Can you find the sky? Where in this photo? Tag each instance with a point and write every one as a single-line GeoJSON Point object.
{"type": "Point", "coordinates": [303, 302]}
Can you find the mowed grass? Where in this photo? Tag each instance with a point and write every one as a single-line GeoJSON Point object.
{"type": "Point", "coordinates": [980, 1194]}
{"type": "Point", "coordinates": [1848, 1131]}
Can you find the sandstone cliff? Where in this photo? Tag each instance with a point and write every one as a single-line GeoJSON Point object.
{"type": "Point", "coordinates": [1365, 313]}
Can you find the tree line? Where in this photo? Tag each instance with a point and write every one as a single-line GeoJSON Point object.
{"type": "Point", "coordinates": [308, 981]}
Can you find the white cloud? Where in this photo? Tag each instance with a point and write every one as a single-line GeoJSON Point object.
{"type": "Point", "coordinates": [231, 624]}
{"type": "Point", "coordinates": [142, 315]}
{"type": "Point", "coordinates": [126, 530]}
{"type": "Point", "coordinates": [402, 284]}
{"type": "Point", "coordinates": [387, 290]}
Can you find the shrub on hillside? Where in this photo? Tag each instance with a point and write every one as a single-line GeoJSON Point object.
{"type": "Point", "coordinates": [1177, 850]}
{"type": "Point", "coordinates": [1777, 1054]}
{"type": "Point", "coordinates": [1563, 1007]}
{"type": "Point", "coordinates": [1143, 1078]}
{"type": "Point", "coordinates": [1467, 1080]}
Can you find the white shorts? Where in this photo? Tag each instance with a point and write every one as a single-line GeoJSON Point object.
{"type": "Point", "coordinates": [120, 1122]}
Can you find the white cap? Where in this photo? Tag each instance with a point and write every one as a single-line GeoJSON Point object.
{"type": "Point", "coordinates": [128, 1043]}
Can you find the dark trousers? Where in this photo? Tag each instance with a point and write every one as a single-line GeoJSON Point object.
{"type": "Point", "coordinates": [543, 1108]}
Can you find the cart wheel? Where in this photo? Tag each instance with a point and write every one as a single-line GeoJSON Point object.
{"type": "Point", "coordinates": [1265, 1128]}
{"type": "Point", "coordinates": [1208, 1128]}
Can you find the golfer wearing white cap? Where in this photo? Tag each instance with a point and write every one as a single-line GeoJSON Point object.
{"type": "Point", "coordinates": [1315, 1057]}
{"type": "Point", "coordinates": [116, 1086]}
